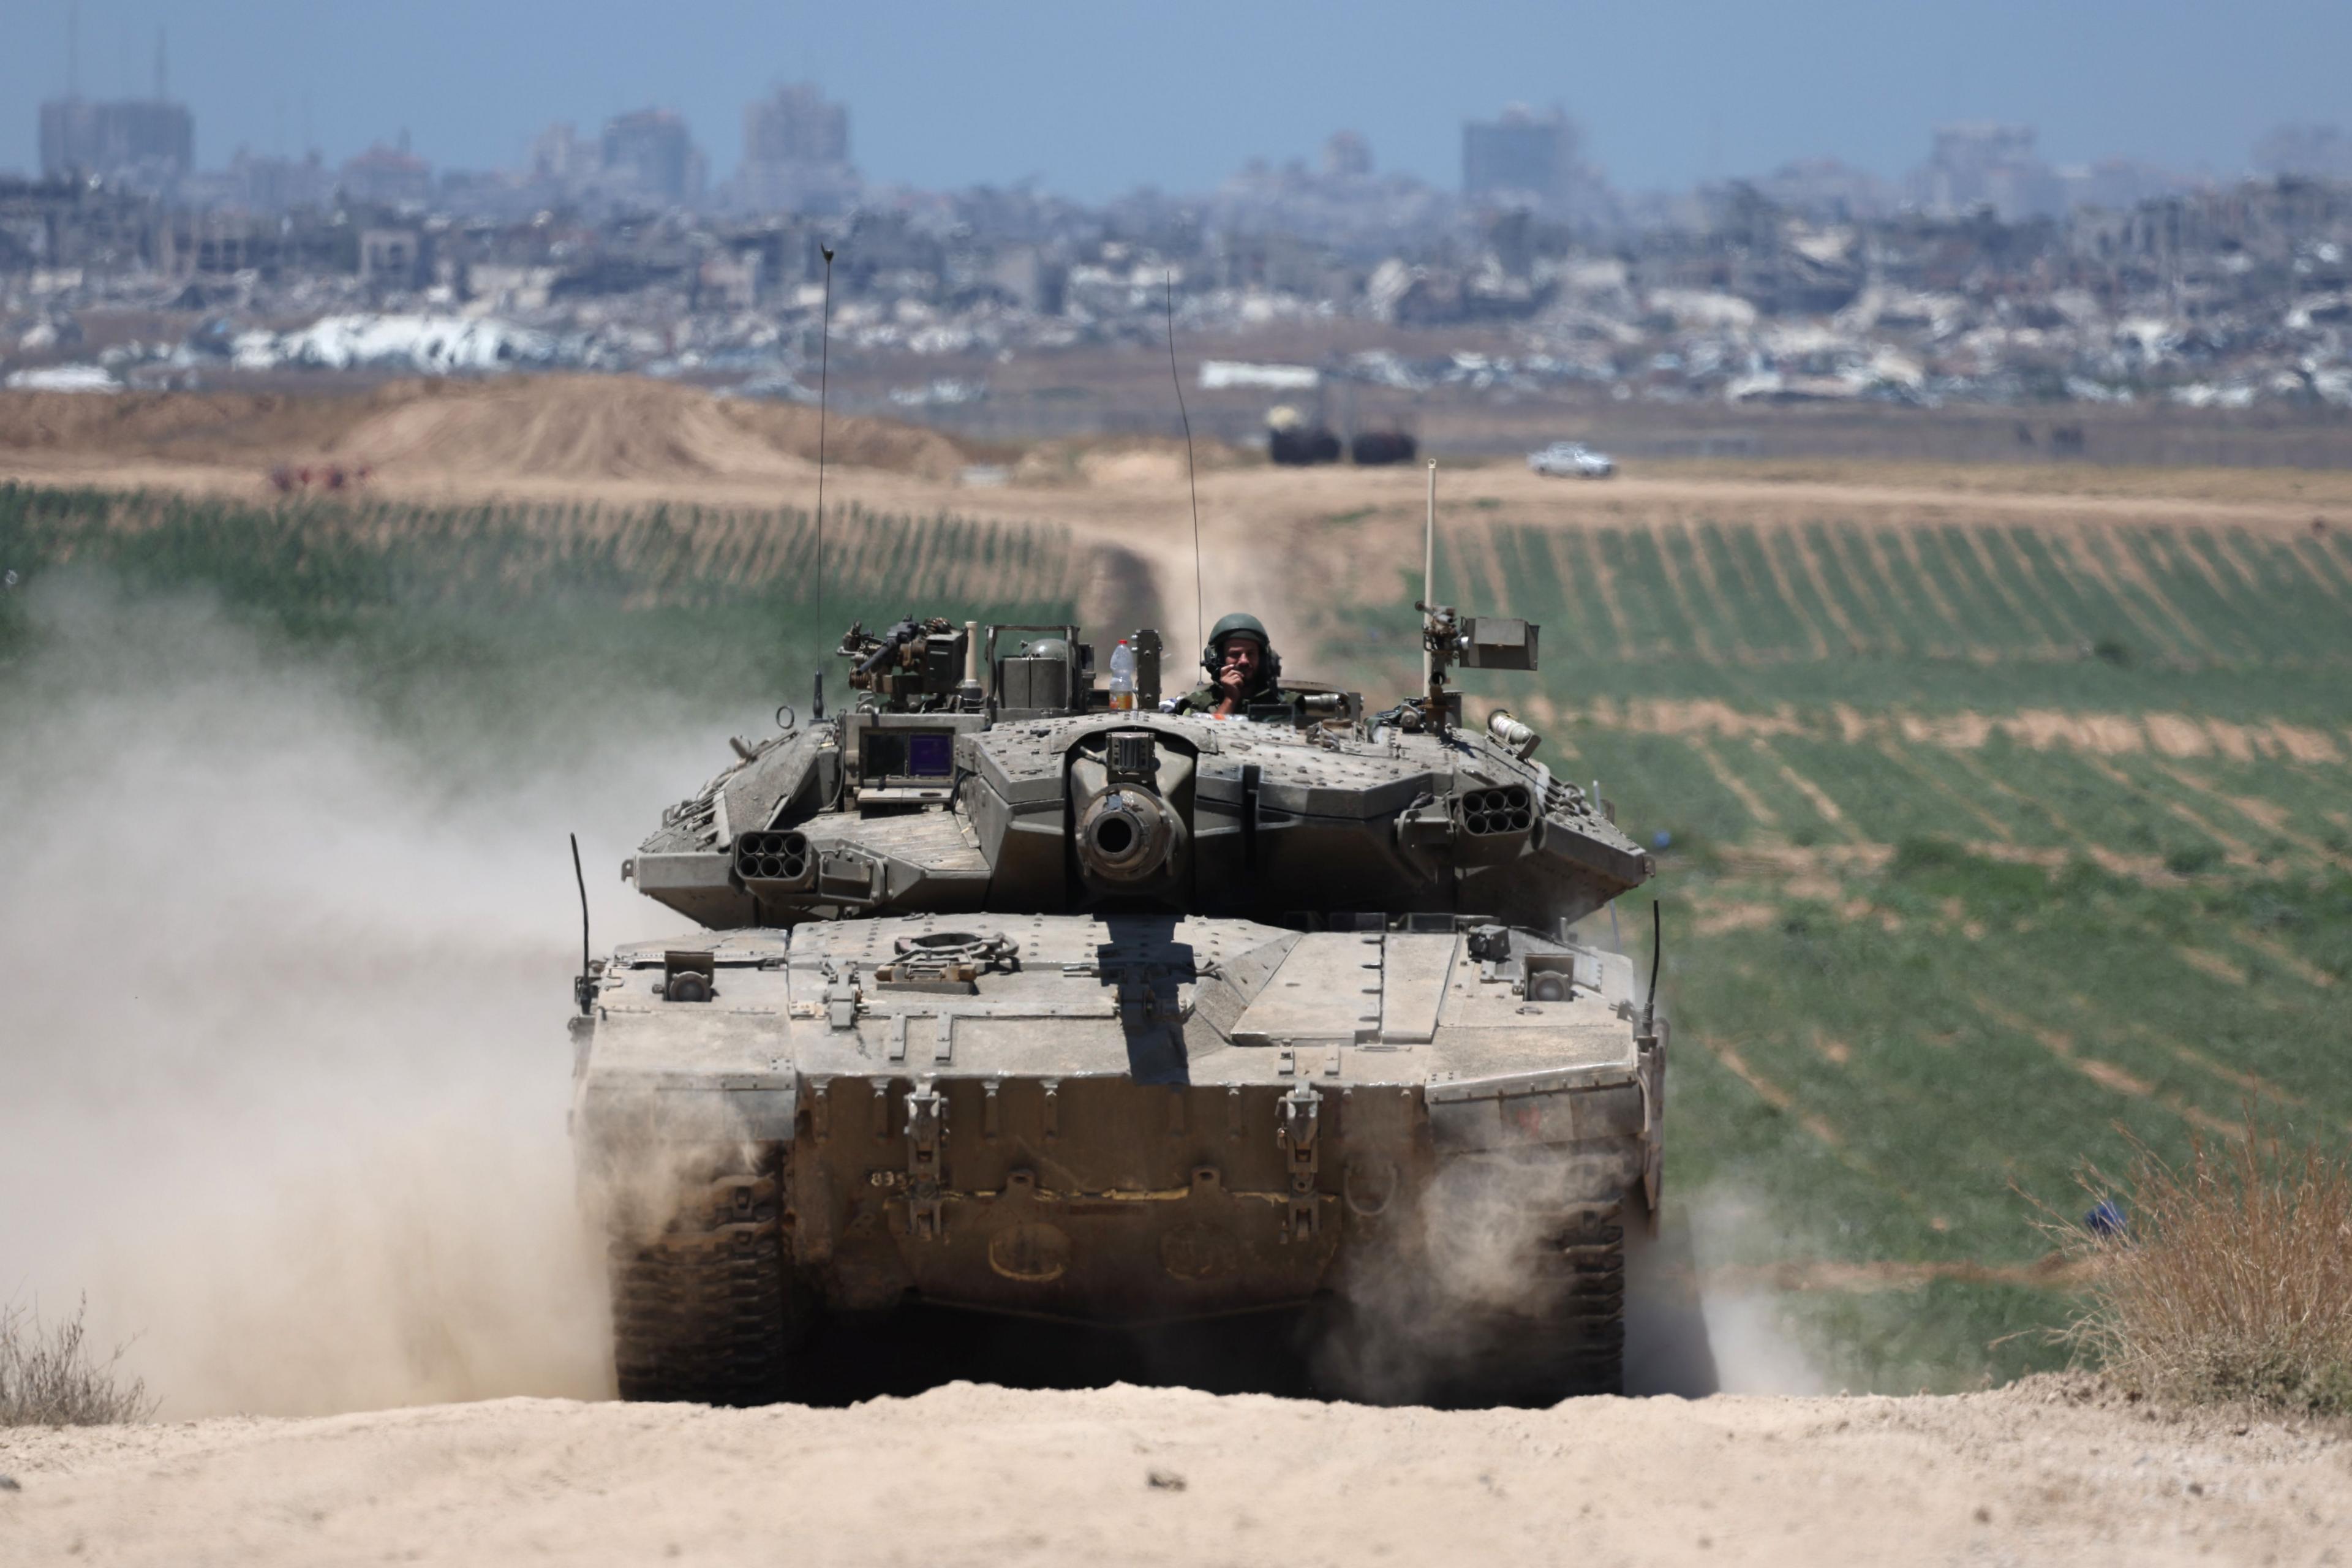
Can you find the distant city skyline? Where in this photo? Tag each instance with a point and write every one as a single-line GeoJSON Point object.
{"type": "Point", "coordinates": [1092, 102]}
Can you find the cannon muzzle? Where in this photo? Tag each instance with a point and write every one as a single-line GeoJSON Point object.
{"type": "Point", "coordinates": [1126, 835]}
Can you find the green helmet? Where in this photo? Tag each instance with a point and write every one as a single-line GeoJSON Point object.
{"type": "Point", "coordinates": [1239, 625]}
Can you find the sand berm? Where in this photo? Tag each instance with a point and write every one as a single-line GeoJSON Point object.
{"type": "Point", "coordinates": [2051, 1470]}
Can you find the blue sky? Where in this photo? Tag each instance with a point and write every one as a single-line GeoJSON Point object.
{"type": "Point", "coordinates": [1093, 98]}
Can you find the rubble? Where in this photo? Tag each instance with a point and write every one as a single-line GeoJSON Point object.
{"type": "Point", "coordinates": [63, 378]}
{"type": "Point", "coordinates": [437, 345]}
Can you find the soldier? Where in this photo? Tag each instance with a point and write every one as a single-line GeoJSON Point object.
{"type": "Point", "coordinates": [1242, 667]}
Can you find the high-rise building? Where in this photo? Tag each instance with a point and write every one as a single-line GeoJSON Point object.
{"type": "Point", "coordinates": [649, 153]}
{"type": "Point", "coordinates": [129, 136]}
{"type": "Point", "coordinates": [560, 156]}
{"type": "Point", "coordinates": [277, 185]}
{"type": "Point", "coordinates": [392, 175]}
{"type": "Point", "coordinates": [2318, 151]}
{"type": "Point", "coordinates": [795, 153]}
{"type": "Point", "coordinates": [1520, 156]}
{"type": "Point", "coordinates": [1346, 156]}
{"type": "Point", "coordinates": [152, 140]}
{"type": "Point", "coordinates": [797, 124]}
{"type": "Point", "coordinates": [1986, 165]}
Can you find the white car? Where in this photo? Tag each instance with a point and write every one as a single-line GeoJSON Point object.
{"type": "Point", "coordinates": [1564, 460]}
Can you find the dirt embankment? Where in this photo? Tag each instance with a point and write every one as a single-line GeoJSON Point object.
{"type": "Point", "coordinates": [2048, 1471]}
{"type": "Point", "coordinates": [576, 427]}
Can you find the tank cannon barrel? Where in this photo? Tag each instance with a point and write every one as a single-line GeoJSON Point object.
{"type": "Point", "coordinates": [1125, 836]}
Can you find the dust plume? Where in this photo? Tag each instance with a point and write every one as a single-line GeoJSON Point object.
{"type": "Point", "coordinates": [1470, 1276]}
{"type": "Point", "coordinates": [1756, 1349]}
{"type": "Point", "coordinates": [287, 1067]}
{"type": "Point", "coordinates": [1477, 1288]}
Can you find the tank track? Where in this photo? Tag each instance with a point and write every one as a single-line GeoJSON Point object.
{"type": "Point", "coordinates": [1566, 1338]}
{"type": "Point", "coordinates": [703, 1312]}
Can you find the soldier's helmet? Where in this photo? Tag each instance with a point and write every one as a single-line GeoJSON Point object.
{"type": "Point", "coordinates": [1240, 624]}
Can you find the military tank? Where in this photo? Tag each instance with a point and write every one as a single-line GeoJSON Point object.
{"type": "Point", "coordinates": [1009, 999]}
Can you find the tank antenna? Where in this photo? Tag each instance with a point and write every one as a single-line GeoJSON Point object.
{"type": "Point", "coordinates": [584, 989]}
{"type": "Point", "coordinates": [824, 366]}
{"type": "Point", "coordinates": [1192, 484]}
{"type": "Point", "coordinates": [1657, 951]}
{"type": "Point", "coordinates": [1429, 576]}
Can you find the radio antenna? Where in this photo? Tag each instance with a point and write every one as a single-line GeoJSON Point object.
{"type": "Point", "coordinates": [1429, 575]}
{"type": "Point", "coordinates": [824, 366]}
{"type": "Point", "coordinates": [584, 989]}
{"type": "Point", "coordinates": [1190, 483]}
{"type": "Point", "coordinates": [1657, 951]}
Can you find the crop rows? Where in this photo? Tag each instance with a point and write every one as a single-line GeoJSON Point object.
{"type": "Point", "coordinates": [1748, 599]}
{"type": "Point", "coordinates": [1980, 842]}
{"type": "Point", "coordinates": [350, 555]}
{"type": "Point", "coordinates": [487, 629]}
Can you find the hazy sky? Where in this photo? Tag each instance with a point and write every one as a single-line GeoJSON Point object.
{"type": "Point", "coordinates": [1095, 97]}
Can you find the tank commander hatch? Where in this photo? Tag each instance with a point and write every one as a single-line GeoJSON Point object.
{"type": "Point", "coordinates": [1243, 669]}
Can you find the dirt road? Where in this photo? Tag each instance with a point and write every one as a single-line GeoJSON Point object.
{"type": "Point", "coordinates": [981, 1475]}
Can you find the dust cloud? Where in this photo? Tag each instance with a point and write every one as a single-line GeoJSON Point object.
{"type": "Point", "coordinates": [1756, 1349]}
{"type": "Point", "coordinates": [1688, 1332]}
{"type": "Point", "coordinates": [287, 1071]}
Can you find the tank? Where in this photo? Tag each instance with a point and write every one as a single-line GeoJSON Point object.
{"type": "Point", "coordinates": [999, 999]}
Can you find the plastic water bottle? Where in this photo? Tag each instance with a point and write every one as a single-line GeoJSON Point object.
{"type": "Point", "coordinates": [1122, 678]}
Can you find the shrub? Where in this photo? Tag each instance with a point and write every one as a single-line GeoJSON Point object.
{"type": "Point", "coordinates": [49, 1376]}
{"type": "Point", "coordinates": [2230, 1278]}
{"type": "Point", "coordinates": [1918, 854]}
{"type": "Point", "coordinates": [2189, 859]}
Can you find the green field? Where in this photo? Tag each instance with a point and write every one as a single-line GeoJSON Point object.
{"type": "Point", "coordinates": [1985, 842]}
{"type": "Point", "coordinates": [532, 626]}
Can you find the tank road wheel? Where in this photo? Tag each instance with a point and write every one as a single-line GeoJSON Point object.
{"type": "Point", "coordinates": [702, 1312]}
{"type": "Point", "coordinates": [1562, 1336]}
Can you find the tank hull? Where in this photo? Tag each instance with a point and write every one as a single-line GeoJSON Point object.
{"type": "Point", "coordinates": [1123, 1120]}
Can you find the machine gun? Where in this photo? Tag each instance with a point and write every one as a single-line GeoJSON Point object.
{"type": "Point", "coordinates": [1475, 642]}
{"type": "Point", "coordinates": [917, 666]}
{"type": "Point", "coordinates": [1448, 639]}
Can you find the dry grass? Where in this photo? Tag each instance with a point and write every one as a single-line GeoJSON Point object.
{"type": "Point", "coordinates": [2233, 1278]}
{"type": "Point", "coordinates": [50, 1378]}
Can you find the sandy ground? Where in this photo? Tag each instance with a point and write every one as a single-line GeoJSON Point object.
{"type": "Point", "coordinates": [983, 1475]}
